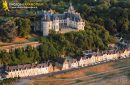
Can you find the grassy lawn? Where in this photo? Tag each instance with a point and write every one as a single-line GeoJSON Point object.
{"type": "Point", "coordinates": [33, 37]}
{"type": "Point", "coordinates": [21, 40]}
{"type": "Point", "coordinates": [78, 81]}
{"type": "Point", "coordinates": [2, 45]}
{"type": "Point", "coordinates": [18, 40]}
{"type": "Point", "coordinates": [121, 63]}
{"type": "Point", "coordinates": [90, 73]}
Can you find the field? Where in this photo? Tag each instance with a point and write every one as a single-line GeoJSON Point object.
{"type": "Point", "coordinates": [82, 77]}
{"type": "Point", "coordinates": [30, 38]}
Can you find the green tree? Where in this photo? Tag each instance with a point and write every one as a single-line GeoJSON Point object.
{"type": "Point", "coordinates": [110, 25]}
{"type": "Point", "coordinates": [24, 27]}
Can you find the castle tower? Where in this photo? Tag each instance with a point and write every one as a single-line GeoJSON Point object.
{"type": "Point", "coordinates": [71, 9]}
{"type": "Point", "coordinates": [46, 24]}
{"type": "Point", "coordinates": [56, 23]}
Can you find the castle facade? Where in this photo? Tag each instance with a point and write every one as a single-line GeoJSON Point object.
{"type": "Point", "coordinates": [56, 22]}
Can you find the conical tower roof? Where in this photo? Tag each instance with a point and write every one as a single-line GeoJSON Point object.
{"type": "Point", "coordinates": [71, 9]}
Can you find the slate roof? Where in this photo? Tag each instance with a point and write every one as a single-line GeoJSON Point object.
{"type": "Point", "coordinates": [26, 66]}
{"type": "Point", "coordinates": [47, 16]}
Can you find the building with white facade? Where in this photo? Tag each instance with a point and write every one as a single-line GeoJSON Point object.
{"type": "Point", "coordinates": [56, 22]}
{"type": "Point", "coordinates": [26, 70]}
{"type": "Point", "coordinates": [65, 63]}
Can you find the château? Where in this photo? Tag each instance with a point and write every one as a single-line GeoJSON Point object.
{"type": "Point", "coordinates": [57, 22]}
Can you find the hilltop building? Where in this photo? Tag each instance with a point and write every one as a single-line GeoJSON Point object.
{"type": "Point", "coordinates": [57, 22]}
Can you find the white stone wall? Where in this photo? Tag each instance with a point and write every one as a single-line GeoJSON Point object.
{"type": "Point", "coordinates": [27, 72]}
{"type": "Point", "coordinates": [65, 66]}
{"type": "Point", "coordinates": [82, 62]}
{"type": "Point", "coordinates": [74, 64]}
{"type": "Point", "coordinates": [68, 22]}
{"type": "Point", "coordinates": [45, 25]}
{"type": "Point", "coordinates": [55, 25]}
{"type": "Point", "coordinates": [80, 25]}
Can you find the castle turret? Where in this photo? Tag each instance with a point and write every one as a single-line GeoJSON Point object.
{"type": "Point", "coordinates": [55, 23]}
{"type": "Point", "coordinates": [71, 9]}
{"type": "Point", "coordinates": [46, 24]}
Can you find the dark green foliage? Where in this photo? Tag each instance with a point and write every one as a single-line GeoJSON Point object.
{"type": "Point", "coordinates": [70, 44]}
{"type": "Point", "coordinates": [8, 31]}
{"type": "Point", "coordinates": [14, 27]}
{"type": "Point", "coordinates": [110, 26]}
{"type": "Point", "coordinates": [94, 37]}
{"type": "Point", "coordinates": [90, 73]}
{"type": "Point", "coordinates": [47, 51]}
{"type": "Point", "coordinates": [24, 27]}
{"type": "Point", "coordinates": [128, 74]}
{"type": "Point", "coordinates": [78, 81]}
{"type": "Point", "coordinates": [20, 56]}
{"type": "Point", "coordinates": [108, 13]}
{"type": "Point", "coordinates": [9, 81]}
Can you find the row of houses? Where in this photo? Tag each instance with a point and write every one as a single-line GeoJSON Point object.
{"type": "Point", "coordinates": [64, 63]}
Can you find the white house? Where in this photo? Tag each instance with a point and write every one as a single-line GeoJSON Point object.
{"type": "Point", "coordinates": [26, 70]}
